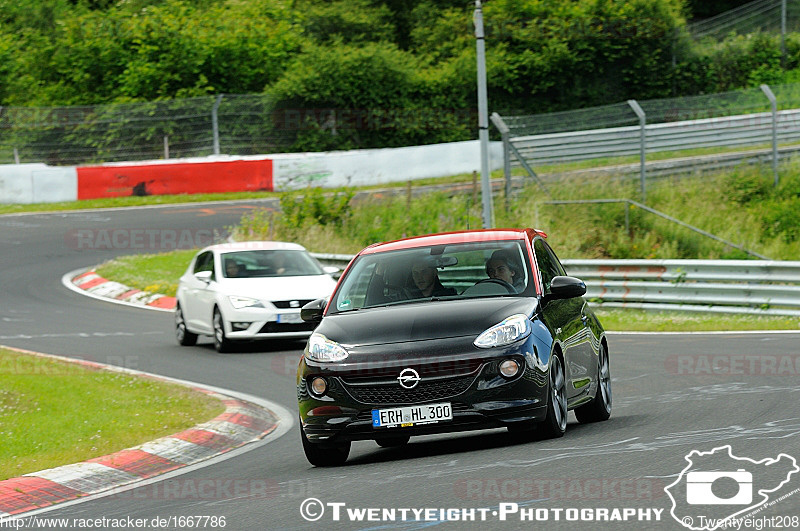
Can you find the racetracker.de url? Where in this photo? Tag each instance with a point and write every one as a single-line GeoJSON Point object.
{"type": "Point", "coordinates": [158, 522]}
{"type": "Point", "coordinates": [313, 510]}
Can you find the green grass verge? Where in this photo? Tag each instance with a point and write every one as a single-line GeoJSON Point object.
{"type": "Point", "coordinates": [54, 413]}
{"type": "Point", "coordinates": [131, 201]}
{"type": "Point", "coordinates": [630, 320]}
{"type": "Point", "coordinates": [156, 273]}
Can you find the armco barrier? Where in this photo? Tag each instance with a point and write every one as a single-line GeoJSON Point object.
{"type": "Point", "coordinates": [719, 286]}
{"type": "Point", "coordinates": [39, 183]}
{"type": "Point", "coordinates": [178, 177]}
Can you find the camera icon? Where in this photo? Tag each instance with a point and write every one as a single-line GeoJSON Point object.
{"type": "Point", "coordinates": [699, 488]}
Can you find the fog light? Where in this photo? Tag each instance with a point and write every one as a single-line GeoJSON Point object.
{"type": "Point", "coordinates": [238, 327]}
{"type": "Point", "coordinates": [509, 368]}
{"type": "Point", "coordinates": [319, 386]}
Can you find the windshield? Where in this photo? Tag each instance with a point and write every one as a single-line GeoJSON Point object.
{"type": "Point", "coordinates": [445, 272]}
{"type": "Point", "coordinates": [261, 263]}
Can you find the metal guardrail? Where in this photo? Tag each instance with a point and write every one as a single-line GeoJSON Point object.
{"type": "Point", "coordinates": [716, 122]}
{"type": "Point", "coordinates": [762, 287]}
{"type": "Point", "coordinates": [725, 132]}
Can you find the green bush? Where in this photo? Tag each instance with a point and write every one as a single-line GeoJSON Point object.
{"type": "Point", "coordinates": [369, 73]}
{"type": "Point", "coordinates": [745, 186]}
{"type": "Point", "coordinates": [316, 206]}
{"type": "Point", "coordinates": [781, 218]}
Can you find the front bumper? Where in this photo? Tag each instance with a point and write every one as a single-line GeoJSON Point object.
{"type": "Point", "coordinates": [480, 397]}
{"type": "Point", "coordinates": [263, 323]}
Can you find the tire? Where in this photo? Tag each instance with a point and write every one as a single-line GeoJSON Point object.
{"type": "Point", "coordinates": [221, 341]}
{"type": "Point", "coordinates": [184, 337]}
{"type": "Point", "coordinates": [555, 422]}
{"type": "Point", "coordinates": [599, 409]}
{"type": "Point", "coordinates": [394, 441]}
{"type": "Point", "coordinates": [324, 455]}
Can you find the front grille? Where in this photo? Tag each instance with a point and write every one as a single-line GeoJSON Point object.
{"type": "Point", "coordinates": [288, 304]}
{"type": "Point", "coordinates": [426, 391]}
{"type": "Point", "coordinates": [273, 328]}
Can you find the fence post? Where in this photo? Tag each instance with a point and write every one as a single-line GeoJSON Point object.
{"type": "Point", "coordinates": [783, 33]}
{"type": "Point", "coordinates": [507, 167]}
{"type": "Point", "coordinates": [773, 102]}
{"type": "Point", "coordinates": [16, 156]}
{"type": "Point", "coordinates": [643, 146]}
{"type": "Point", "coordinates": [215, 123]}
{"type": "Point", "coordinates": [509, 149]}
{"type": "Point", "coordinates": [628, 218]}
{"type": "Point", "coordinates": [504, 131]}
{"type": "Point", "coordinates": [166, 147]}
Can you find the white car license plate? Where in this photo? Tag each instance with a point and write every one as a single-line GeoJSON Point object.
{"type": "Point", "coordinates": [289, 318]}
{"type": "Point", "coordinates": [411, 415]}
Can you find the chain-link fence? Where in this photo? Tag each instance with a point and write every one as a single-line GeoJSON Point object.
{"type": "Point", "coordinates": [759, 15]}
{"type": "Point", "coordinates": [224, 124]}
{"type": "Point", "coordinates": [193, 127]}
{"type": "Point", "coordinates": [690, 133]}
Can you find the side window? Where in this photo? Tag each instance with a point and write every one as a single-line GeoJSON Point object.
{"type": "Point", "coordinates": [548, 263]}
{"type": "Point", "coordinates": [204, 262]}
{"type": "Point", "coordinates": [555, 260]}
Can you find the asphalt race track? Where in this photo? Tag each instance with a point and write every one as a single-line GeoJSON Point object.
{"type": "Point", "coordinates": [673, 394]}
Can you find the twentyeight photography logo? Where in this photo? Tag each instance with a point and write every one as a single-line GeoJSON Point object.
{"type": "Point", "coordinates": [718, 489]}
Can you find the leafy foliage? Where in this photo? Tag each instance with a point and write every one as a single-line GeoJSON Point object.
{"type": "Point", "coordinates": [373, 73]}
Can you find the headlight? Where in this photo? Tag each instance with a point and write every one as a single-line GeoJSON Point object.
{"type": "Point", "coordinates": [512, 329]}
{"type": "Point", "coordinates": [244, 302]}
{"type": "Point", "coordinates": [320, 348]}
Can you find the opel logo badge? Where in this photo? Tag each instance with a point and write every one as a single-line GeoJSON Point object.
{"type": "Point", "coordinates": [409, 378]}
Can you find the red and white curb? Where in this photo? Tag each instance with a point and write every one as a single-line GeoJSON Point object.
{"type": "Point", "coordinates": [247, 423]}
{"type": "Point", "coordinates": [88, 282]}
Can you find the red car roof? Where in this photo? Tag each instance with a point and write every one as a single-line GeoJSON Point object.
{"type": "Point", "coordinates": [447, 238]}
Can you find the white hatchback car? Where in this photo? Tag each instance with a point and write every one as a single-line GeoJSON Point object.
{"type": "Point", "coordinates": [249, 290]}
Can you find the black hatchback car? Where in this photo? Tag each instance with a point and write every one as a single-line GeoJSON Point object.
{"type": "Point", "coordinates": [450, 332]}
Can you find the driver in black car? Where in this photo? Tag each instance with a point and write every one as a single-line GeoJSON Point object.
{"type": "Point", "coordinates": [502, 266]}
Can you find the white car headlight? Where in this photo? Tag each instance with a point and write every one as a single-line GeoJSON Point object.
{"type": "Point", "coordinates": [320, 348]}
{"type": "Point", "coordinates": [244, 302]}
{"type": "Point", "coordinates": [510, 330]}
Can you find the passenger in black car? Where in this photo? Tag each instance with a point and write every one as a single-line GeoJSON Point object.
{"type": "Point", "coordinates": [426, 281]}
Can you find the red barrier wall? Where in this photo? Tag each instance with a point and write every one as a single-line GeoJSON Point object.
{"type": "Point", "coordinates": [178, 178]}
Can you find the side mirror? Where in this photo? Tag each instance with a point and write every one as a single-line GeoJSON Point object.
{"type": "Point", "coordinates": [205, 276]}
{"type": "Point", "coordinates": [312, 312]}
{"type": "Point", "coordinates": [331, 270]}
{"type": "Point", "coordinates": [566, 288]}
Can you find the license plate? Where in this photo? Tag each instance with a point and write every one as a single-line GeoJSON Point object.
{"type": "Point", "coordinates": [411, 415]}
{"type": "Point", "coordinates": [289, 318]}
